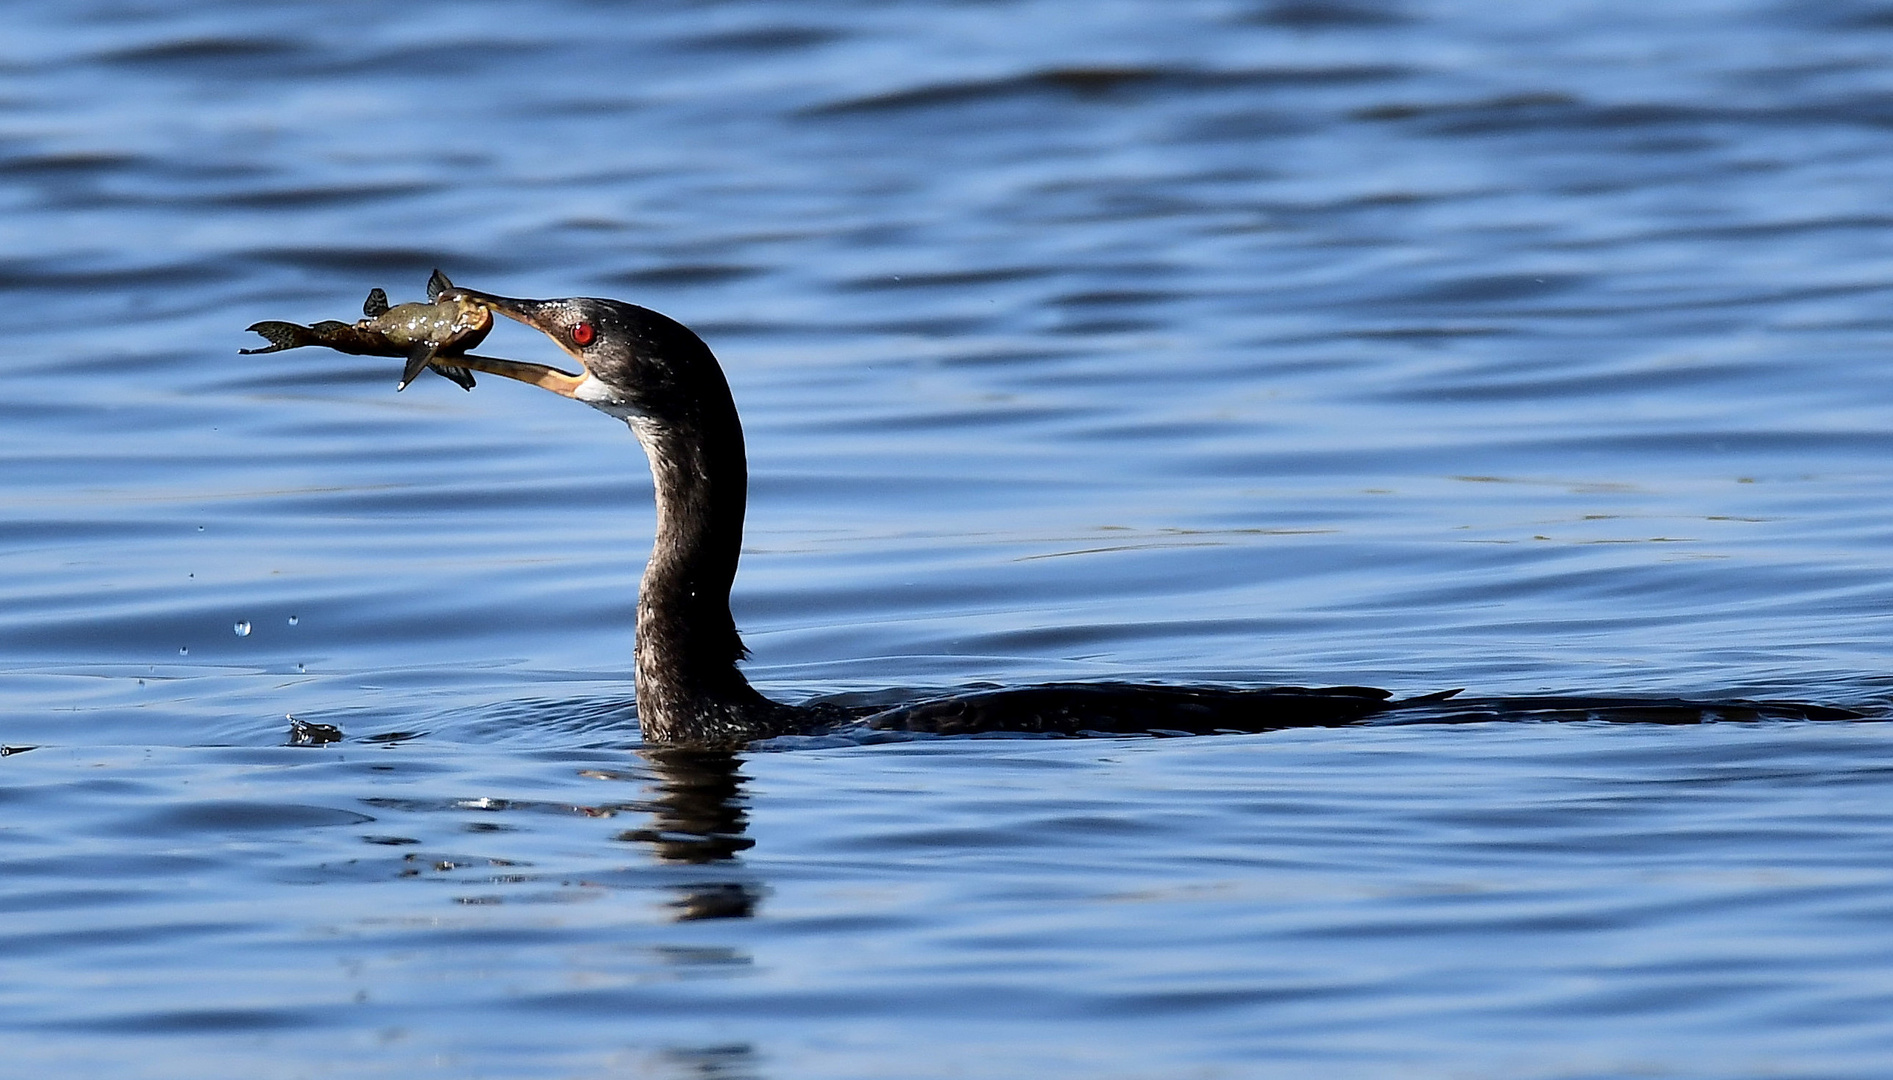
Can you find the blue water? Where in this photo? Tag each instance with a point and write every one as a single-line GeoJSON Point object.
{"type": "Point", "coordinates": [1529, 348]}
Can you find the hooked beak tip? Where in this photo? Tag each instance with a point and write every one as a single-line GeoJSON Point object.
{"type": "Point", "coordinates": [525, 311]}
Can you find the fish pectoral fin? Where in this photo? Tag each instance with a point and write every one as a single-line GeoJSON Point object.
{"type": "Point", "coordinates": [459, 376]}
{"type": "Point", "coordinates": [437, 283]}
{"type": "Point", "coordinates": [419, 357]}
{"type": "Point", "coordinates": [424, 356]}
{"type": "Point", "coordinates": [376, 305]}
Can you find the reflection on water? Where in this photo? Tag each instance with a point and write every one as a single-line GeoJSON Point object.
{"type": "Point", "coordinates": [697, 818]}
{"type": "Point", "coordinates": [734, 1062]}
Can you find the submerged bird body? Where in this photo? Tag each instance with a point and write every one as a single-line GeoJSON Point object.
{"type": "Point", "coordinates": [427, 334]}
{"type": "Point", "coordinates": [1118, 708]}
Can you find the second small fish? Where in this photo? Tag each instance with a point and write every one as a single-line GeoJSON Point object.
{"type": "Point", "coordinates": [427, 334]}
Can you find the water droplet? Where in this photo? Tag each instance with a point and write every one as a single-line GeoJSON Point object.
{"type": "Point", "coordinates": [294, 619]}
{"type": "Point", "coordinates": [299, 666]}
{"type": "Point", "coordinates": [243, 629]}
{"type": "Point", "coordinates": [141, 682]}
{"type": "Point", "coordinates": [200, 528]}
{"type": "Point", "coordinates": [184, 650]}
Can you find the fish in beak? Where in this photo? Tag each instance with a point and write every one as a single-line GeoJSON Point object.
{"type": "Point", "coordinates": [545, 316]}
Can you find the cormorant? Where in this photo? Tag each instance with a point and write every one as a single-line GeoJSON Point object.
{"type": "Point", "coordinates": [659, 377]}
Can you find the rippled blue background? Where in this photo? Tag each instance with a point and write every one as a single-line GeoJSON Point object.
{"type": "Point", "coordinates": [1526, 347]}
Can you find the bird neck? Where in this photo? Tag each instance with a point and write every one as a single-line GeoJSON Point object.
{"type": "Point", "coordinates": [688, 687]}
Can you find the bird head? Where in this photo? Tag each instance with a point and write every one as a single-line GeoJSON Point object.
{"type": "Point", "coordinates": [634, 363]}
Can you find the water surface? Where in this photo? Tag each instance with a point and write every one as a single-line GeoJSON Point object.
{"type": "Point", "coordinates": [1526, 348]}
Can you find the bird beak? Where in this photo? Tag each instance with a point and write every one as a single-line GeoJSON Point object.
{"type": "Point", "coordinates": [534, 313]}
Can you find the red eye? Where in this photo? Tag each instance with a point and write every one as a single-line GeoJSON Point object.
{"type": "Point", "coordinates": [582, 334]}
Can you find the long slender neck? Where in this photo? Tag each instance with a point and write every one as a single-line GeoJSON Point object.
{"type": "Point", "coordinates": [688, 687]}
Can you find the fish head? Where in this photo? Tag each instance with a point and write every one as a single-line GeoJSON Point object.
{"type": "Point", "coordinates": [468, 321]}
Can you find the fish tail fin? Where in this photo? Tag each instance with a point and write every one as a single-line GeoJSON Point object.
{"type": "Point", "coordinates": [281, 335]}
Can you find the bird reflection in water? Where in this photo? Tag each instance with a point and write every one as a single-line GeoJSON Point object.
{"type": "Point", "coordinates": [699, 817]}
{"type": "Point", "coordinates": [733, 1062]}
